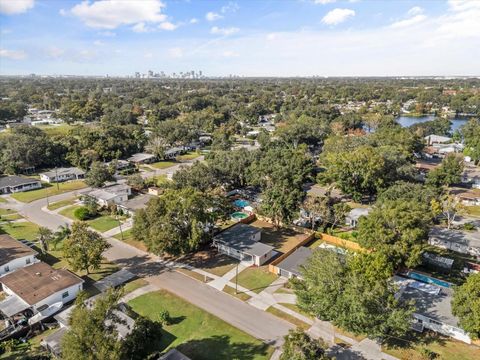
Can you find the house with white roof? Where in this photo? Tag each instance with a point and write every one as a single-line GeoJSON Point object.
{"type": "Point", "coordinates": [62, 174]}
{"type": "Point", "coordinates": [109, 195]}
{"type": "Point", "coordinates": [14, 255]}
{"type": "Point", "coordinates": [465, 242]}
{"type": "Point", "coordinates": [13, 184]}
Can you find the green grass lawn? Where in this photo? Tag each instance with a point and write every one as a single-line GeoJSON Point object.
{"type": "Point", "coordinates": [53, 130]}
{"type": "Point", "coordinates": [103, 223]}
{"type": "Point", "coordinates": [241, 295]}
{"type": "Point", "coordinates": [445, 348]}
{"type": "Point", "coordinates": [196, 333]}
{"type": "Point", "coordinates": [473, 210]}
{"type": "Point", "coordinates": [2, 200]}
{"type": "Point", "coordinates": [134, 285]}
{"type": "Point", "coordinates": [62, 203]}
{"type": "Point", "coordinates": [24, 230]}
{"type": "Point", "coordinates": [6, 211]}
{"type": "Point", "coordinates": [13, 216]}
{"type": "Point", "coordinates": [130, 240]}
{"type": "Point", "coordinates": [188, 156]}
{"type": "Point", "coordinates": [50, 190]}
{"type": "Point", "coordinates": [68, 212]}
{"type": "Point", "coordinates": [287, 317]}
{"type": "Point", "coordinates": [163, 164]}
{"type": "Point", "coordinates": [255, 279]}
{"type": "Point", "coordinates": [29, 349]}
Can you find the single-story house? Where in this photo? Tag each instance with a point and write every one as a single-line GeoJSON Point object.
{"type": "Point", "coordinates": [14, 255]}
{"type": "Point", "coordinates": [433, 307]}
{"type": "Point", "coordinates": [62, 174]}
{"type": "Point", "coordinates": [174, 354]}
{"type": "Point", "coordinates": [142, 158]}
{"type": "Point", "coordinates": [242, 241]}
{"type": "Point", "coordinates": [469, 197]}
{"type": "Point", "coordinates": [471, 175]}
{"type": "Point", "coordinates": [465, 242]}
{"type": "Point", "coordinates": [114, 194]}
{"type": "Point", "coordinates": [132, 205]}
{"type": "Point", "coordinates": [290, 267]}
{"type": "Point", "coordinates": [13, 184]}
{"type": "Point", "coordinates": [437, 139]}
{"type": "Point", "coordinates": [119, 164]}
{"type": "Point", "coordinates": [354, 215]}
{"type": "Point", "coordinates": [38, 287]}
{"type": "Point", "coordinates": [172, 153]}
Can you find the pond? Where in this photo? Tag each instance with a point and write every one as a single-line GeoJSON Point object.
{"type": "Point", "coordinates": [407, 121]}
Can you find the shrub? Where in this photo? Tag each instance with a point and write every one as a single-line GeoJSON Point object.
{"type": "Point", "coordinates": [82, 213]}
{"type": "Point", "coordinates": [428, 354]}
{"type": "Point", "coordinates": [164, 317]}
{"type": "Point", "coordinates": [469, 227]}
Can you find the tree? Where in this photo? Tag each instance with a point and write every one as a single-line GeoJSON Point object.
{"type": "Point", "coordinates": [61, 234]}
{"type": "Point", "coordinates": [176, 223]}
{"type": "Point", "coordinates": [299, 345]}
{"type": "Point", "coordinates": [466, 305]}
{"type": "Point", "coordinates": [136, 182]}
{"type": "Point", "coordinates": [231, 167]}
{"type": "Point", "coordinates": [449, 206]}
{"type": "Point", "coordinates": [448, 173]}
{"type": "Point", "coordinates": [98, 175]}
{"type": "Point", "coordinates": [302, 130]}
{"type": "Point", "coordinates": [90, 203]}
{"type": "Point", "coordinates": [199, 176]}
{"type": "Point", "coordinates": [157, 146]}
{"type": "Point", "coordinates": [45, 236]}
{"type": "Point", "coordinates": [92, 334]}
{"type": "Point", "coordinates": [397, 228]}
{"type": "Point", "coordinates": [343, 289]}
{"type": "Point", "coordinates": [83, 248]}
{"type": "Point", "coordinates": [143, 340]}
{"type": "Point", "coordinates": [471, 136]}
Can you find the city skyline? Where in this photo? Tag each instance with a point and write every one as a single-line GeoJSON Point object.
{"type": "Point", "coordinates": [270, 38]}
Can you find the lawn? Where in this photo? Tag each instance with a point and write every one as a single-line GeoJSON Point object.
{"type": "Point", "coordinates": [210, 261]}
{"type": "Point", "coordinates": [50, 190]}
{"type": "Point", "coordinates": [445, 348]}
{"type": "Point", "coordinates": [68, 212]}
{"type": "Point", "coordinates": [255, 279]}
{"type": "Point", "coordinates": [287, 317]}
{"type": "Point", "coordinates": [30, 349]}
{"type": "Point", "coordinates": [241, 295]}
{"type": "Point", "coordinates": [194, 275]}
{"type": "Point", "coordinates": [134, 285]}
{"type": "Point", "coordinates": [130, 240]}
{"type": "Point", "coordinates": [163, 164]}
{"type": "Point", "coordinates": [53, 130]}
{"type": "Point", "coordinates": [473, 210]}
{"type": "Point", "coordinates": [62, 203]}
{"type": "Point", "coordinates": [196, 333]}
{"type": "Point", "coordinates": [188, 156]}
{"type": "Point", "coordinates": [2, 200]}
{"type": "Point", "coordinates": [103, 223]}
{"type": "Point", "coordinates": [23, 230]}
{"type": "Point", "coordinates": [4, 211]}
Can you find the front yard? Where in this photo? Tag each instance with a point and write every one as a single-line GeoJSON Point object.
{"type": "Point", "coordinates": [130, 240]}
{"type": "Point", "coordinates": [188, 156]}
{"type": "Point", "coordinates": [101, 223]}
{"type": "Point", "coordinates": [23, 230]}
{"type": "Point", "coordinates": [62, 203]}
{"type": "Point", "coordinates": [163, 164]}
{"type": "Point", "coordinates": [50, 190]}
{"type": "Point", "coordinates": [473, 210]}
{"type": "Point", "coordinates": [255, 279]}
{"type": "Point", "coordinates": [210, 261]}
{"type": "Point", "coordinates": [196, 333]}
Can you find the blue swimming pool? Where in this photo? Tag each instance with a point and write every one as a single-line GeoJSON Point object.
{"type": "Point", "coordinates": [428, 279]}
{"type": "Point", "coordinates": [241, 203]}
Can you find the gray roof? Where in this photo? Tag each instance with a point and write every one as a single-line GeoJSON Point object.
{"type": "Point", "coordinates": [433, 306]}
{"type": "Point", "coordinates": [53, 341]}
{"type": "Point", "coordinates": [174, 354]}
{"type": "Point", "coordinates": [137, 203]}
{"type": "Point", "coordinates": [11, 249]}
{"type": "Point", "coordinates": [113, 280]}
{"type": "Point", "coordinates": [63, 171]}
{"type": "Point", "coordinates": [467, 238]}
{"type": "Point", "coordinates": [139, 157]}
{"type": "Point", "coordinates": [12, 305]}
{"type": "Point", "coordinates": [240, 237]}
{"type": "Point", "coordinates": [174, 150]}
{"type": "Point", "coordinates": [14, 180]}
{"type": "Point", "coordinates": [357, 212]}
{"type": "Point", "coordinates": [293, 262]}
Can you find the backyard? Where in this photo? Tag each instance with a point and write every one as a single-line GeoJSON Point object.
{"type": "Point", "coordinates": [255, 279]}
{"type": "Point", "coordinates": [196, 333]}
{"type": "Point", "coordinates": [282, 239]}
{"type": "Point", "coordinates": [49, 190]}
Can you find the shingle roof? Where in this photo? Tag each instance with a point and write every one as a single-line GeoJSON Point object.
{"type": "Point", "coordinates": [14, 180]}
{"type": "Point", "coordinates": [240, 237]}
{"type": "Point", "coordinates": [38, 281]}
{"type": "Point", "coordinates": [11, 249]}
{"type": "Point", "coordinates": [63, 171]}
{"type": "Point", "coordinates": [293, 262]}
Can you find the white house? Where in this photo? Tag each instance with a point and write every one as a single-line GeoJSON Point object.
{"type": "Point", "coordinates": [437, 139]}
{"type": "Point", "coordinates": [464, 242]}
{"type": "Point", "coordinates": [471, 175]}
{"type": "Point", "coordinates": [433, 307]}
{"type": "Point", "coordinates": [242, 241]}
{"type": "Point", "coordinates": [62, 174]}
{"type": "Point", "coordinates": [290, 267]}
{"type": "Point", "coordinates": [13, 184]}
{"type": "Point", "coordinates": [38, 287]}
{"type": "Point", "coordinates": [14, 255]}
{"type": "Point", "coordinates": [109, 195]}
{"type": "Point", "coordinates": [142, 158]}
{"type": "Point", "coordinates": [354, 215]}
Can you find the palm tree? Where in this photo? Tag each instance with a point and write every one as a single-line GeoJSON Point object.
{"type": "Point", "coordinates": [45, 235]}
{"type": "Point", "coordinates": [61, 234]}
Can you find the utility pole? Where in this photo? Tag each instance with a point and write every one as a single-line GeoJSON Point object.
{"type": "Point", "coordinates": [46, 190]}
{"type": "Point", "coordinates": [56, 178]}
{"type": "Point", "coordinates": [236, 279]}
{"type": "Point", "coordinates": [120, 226]}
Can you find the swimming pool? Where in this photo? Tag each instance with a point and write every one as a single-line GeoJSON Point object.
{"type": "Point", "coordinates": [238, 215]}
{"type": "Point", "coordinates": [241, 203]}
{"type": "Point", "coordinates": [428, 279]}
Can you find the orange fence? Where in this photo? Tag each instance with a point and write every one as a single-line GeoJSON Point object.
{"type": "Point", "coordinates": [347, 244]}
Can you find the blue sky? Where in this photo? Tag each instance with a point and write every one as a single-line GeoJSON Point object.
{"type": "Point", "coordinates": [250, 38]}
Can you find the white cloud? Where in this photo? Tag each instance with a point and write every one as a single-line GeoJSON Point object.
{"type": "Point", "coordinates": [272, 36]}
{"type": "Point", "coordinates": [337, 16]}
{"type": "Point", "coordinates": [323, 2]}
{"type": "Point", "coordinates": [11, 7]}
{"type": "Point", "coordinates": [54, 52]}
{"type": "Point", "coordinates": [416, 10]}
{"type": "Point", "coordinates": [229, 54]}
{"type": "Point", "coordinates": [13, 54]}
{"type": "Point", "coordinates": [224, 31]}
{"type": "Point", "coordinates": [408, 22]}
{"type": "Point", "coordinates": [168, 26]}
{"type": "Point", "coordinates": [230, 7]}
{"type": "Point", "coordinates": [98, 43]}
{"type": "Point", "coordinates": [148, 55]}
{"type": "Point", "coordinates": [139, 28]}
{"type": "Point", "coordinates": [63, 12]}
{"type": "Point", "coordinates": [212, 16]}
{"type": "Point", "coordinates": [193, 21]}
{"type": "Point", "coordinates": [175, 52]}
{"type": "Point", "coordinates": [462, 21]}
{"type": "Point", "coordinates": [110, 14]}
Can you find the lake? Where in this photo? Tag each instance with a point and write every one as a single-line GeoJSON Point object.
{"type": "Point", "coordinates": [407, 121]}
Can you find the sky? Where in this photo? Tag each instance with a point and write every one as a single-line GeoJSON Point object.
{"type": "Point", "coordinates": [243, 37]}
